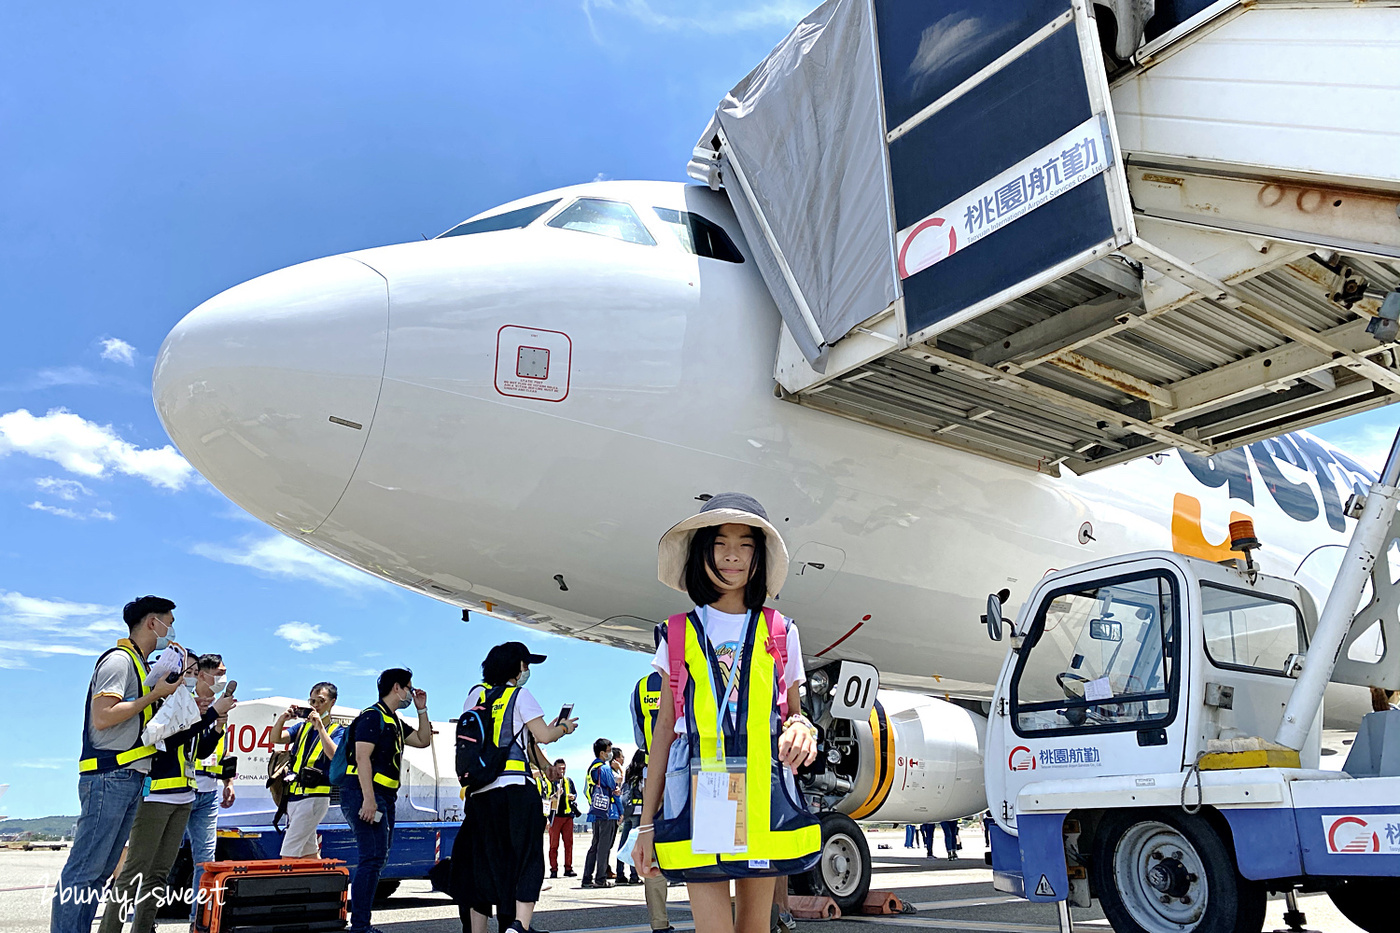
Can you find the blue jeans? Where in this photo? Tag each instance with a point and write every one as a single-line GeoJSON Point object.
{"type": "Point", "coordinates": [204, 818]}
{"type": "Point", "coordinates": [108, 801]}
{"type": "Point", "coordinates": [373, 841]}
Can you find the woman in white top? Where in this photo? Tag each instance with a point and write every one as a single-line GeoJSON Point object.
{"type": "Point", "coordinates": [722, 754]}
{"type": "Point", "coordinates": [498, 855]}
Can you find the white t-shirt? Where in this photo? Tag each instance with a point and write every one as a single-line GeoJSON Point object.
{"type": "Point", "coordinates": [526, 709]}
{"type": "Point", "coordinates": [726, 634]}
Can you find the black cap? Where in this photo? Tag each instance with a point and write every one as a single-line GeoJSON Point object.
{"type": "Point", "coordinates": [512, 651]}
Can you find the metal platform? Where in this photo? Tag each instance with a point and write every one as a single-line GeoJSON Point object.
{"type": "Point", "coordinates": [1207, 284]}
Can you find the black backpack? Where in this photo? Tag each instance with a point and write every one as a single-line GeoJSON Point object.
{"type": "Point", "coordinates": [479, 759]}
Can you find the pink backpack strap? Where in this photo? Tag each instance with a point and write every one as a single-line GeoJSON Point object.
{"type": "Point", "coordinates": [777, 650]}
{"type": "Point", "coordinates": [675, 651]}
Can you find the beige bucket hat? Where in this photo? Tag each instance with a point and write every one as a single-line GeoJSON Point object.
{"type": "Point", "coordinates": [723, 509]}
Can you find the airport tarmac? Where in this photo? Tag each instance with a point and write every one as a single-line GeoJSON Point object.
{"type": "Point", "coordinates": [955, 897]}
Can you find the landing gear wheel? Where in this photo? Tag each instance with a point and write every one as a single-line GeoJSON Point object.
{"type": "Point", "coordinates": [842, 873]}
{"type": "Point", "coordinates": [1364, 901]}
{"type": "Point", "coordinates": [1164, 871]}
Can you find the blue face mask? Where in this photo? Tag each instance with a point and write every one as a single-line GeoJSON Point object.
{"type": "Point", "coordinates": [163, 641]}
{"type": "Point", "coordinates": [524, 676]}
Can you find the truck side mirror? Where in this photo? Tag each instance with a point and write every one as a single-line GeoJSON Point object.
{"type": "Point", "coordinates": [993, 617]}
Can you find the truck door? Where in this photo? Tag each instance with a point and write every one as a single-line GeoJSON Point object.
{"type": "Point", "coordinates": [1095, 687]}
{"type": "Point", "coordinates": [1249, 636]}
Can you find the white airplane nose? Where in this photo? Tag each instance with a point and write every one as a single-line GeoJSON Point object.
{"type": "Point", "coordinates": [269, 388]}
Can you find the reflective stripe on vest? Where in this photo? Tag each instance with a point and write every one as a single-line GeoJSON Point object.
{"type": "Point", "coordinates": [503, 711]}
{"type": "Point", "coordinates": [755, 742]}
{"type": "Point", "coordinates": [95, 760]}
{"type": "Point", "coordinates": [646, 700]}
{"type": "Point", "coordinates": [309, 751]}
{"type": "Point", "coordinates": [569, 793]}
{"type": "Point", "coordinates": [211, 766]}
{"type": "Point", "coordinates": [391, 721]}
{"type": "Point", "coordinates": [182, 778]}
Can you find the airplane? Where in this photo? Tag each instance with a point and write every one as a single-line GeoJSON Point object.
{"type": "Point", "coordinates": [507, 417]}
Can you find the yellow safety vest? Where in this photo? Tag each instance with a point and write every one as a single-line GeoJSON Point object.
{"type": "Point", "coordinates": [97, 760]}
{"type": "Point", "coordinates": [646, 700]}
{"type": "Point", "coordinates": [171, 772]}
{"type": "Point", "coordinates": [213, 765]}
{"type": "Point", "coordinates": [309, 752]}
{"type": "Point", "coordinates": [384, 779]}
{"type": "Point", "coordinates": [780, 831]}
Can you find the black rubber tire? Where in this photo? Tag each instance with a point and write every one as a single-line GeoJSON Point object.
{"type": "Point", "coordinates": [1366, 902]}
{"type": "Point", "coordinates": [1233, 904]}
{"type": "Point", "coordinates": [839, 830]}
{"type": "Point", "coordinates": [385, 889]}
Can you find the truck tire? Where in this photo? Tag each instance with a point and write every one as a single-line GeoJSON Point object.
{"type": "Point", "coordinates": [385, 889]}
{"type": "Point", "coordinates": [842, 872]}
{"type": "Point", "coordinates": [1365, 902]}
{"type": "Point", "coordinates": [1166, 871]}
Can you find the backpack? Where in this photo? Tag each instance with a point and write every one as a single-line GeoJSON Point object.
{"type": "Point", "coordinates": [279, 772]}
{"type": "Point", "coordinates": [479, 759]}
{"type": "Point", "coordinates": [340, 761]}
{"type": "Point", "coordinates": [775, 646]}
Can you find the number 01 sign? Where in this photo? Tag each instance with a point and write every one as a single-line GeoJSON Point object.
{"type": "Point", "coordinates": [856, 685]}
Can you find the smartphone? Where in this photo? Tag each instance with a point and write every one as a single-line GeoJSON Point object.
{"type": "Point", "coordinates": [565, 712]}
{"type": "Point", "coordinates": [232, 686]}
{"type": "Point", "coordinates": [302, 712]}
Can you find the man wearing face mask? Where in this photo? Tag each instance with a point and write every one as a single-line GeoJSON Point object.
{"type": "Point", "coordinates": [313, 745]}
{"type": "Point", "coordinates": [113, 767]}
{"type": "Point", "coordinates": [209, 772]}
{"type": "Point", "coordinates": [371, 788]}
{"type": "Point", "coordinates": [160, 821]}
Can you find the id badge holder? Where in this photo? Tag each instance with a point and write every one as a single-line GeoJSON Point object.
{"type": "Point", "coordinates": [719, 807]}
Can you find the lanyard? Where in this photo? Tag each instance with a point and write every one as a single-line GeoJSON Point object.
{"type": "Point", "coordinates": [724, 714]}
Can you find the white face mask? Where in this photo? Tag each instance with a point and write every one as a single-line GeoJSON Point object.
{"type": "Point", "coordinates": [524, 676]}
{"type": "Point", "coordinates": [191, 682]}
{"type": "Point", "coordinates": [220, 683]}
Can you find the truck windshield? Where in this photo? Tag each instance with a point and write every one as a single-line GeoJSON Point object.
{"type": "Point", "coordinates": [1099, 658]}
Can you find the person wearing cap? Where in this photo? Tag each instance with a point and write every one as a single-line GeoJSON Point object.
{"type": "Point", "coordinates": [729, 729]}
{"type": "Point", "coordinates": [374, 758]}
{"type": "Point", "coordinates": [498, 856]}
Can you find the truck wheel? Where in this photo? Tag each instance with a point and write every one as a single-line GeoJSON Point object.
{"type": "Point", "coordinates": [842, 872]}
{"type": "Point", "coordinates": [385, 889]}
{"type": "Point", "coordinates": [1363, 901]}
{"type": "Point", "coordinates": [1164, 871]}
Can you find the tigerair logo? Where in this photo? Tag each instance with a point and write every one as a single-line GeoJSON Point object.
{"type": "Point", "coordinates": [1021, 759]}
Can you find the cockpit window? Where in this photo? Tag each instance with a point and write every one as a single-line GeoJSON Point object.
{"type": "Point", "coordinates": [607, 218]}
{"type": "Point", "coordinates": [700, 236]}
{"type": "Point", "coordinates": [510, 220]}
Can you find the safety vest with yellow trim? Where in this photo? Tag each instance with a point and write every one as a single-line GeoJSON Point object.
{"type": "Point", "coordinates": [782, 836]}
{"type": "Point", "coordinates": [308, 752]}
{"type": "Point", "coordinates": [568, 798]}
{"type": "Point", "coordinates": [385, 761]}
{"type": "Point", "coordinates": [646, 700]}
{"type": "Point", "coordinates": [503, 713]}
{"type": "Point", "coordinates": [97, 760]}
{"type": "Point", "coordinates": [212, 765]}
{"type": "Point", "coordinates": [172, 770]}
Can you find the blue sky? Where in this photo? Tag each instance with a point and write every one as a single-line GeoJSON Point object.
{"type": "Point", "coordinates": [155, 154]}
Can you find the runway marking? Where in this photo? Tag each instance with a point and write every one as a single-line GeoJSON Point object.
{"type": "Point", "coordinates": [966, 902]}
{"type": "Point", "coordinates": [995, 926]}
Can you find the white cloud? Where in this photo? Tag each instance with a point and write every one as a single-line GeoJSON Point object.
{"type": "Point", "coordinates": [58, 510]}
{"type": "Point", "coordinates": [280, 556]}
{"type": "Point", "coordinates": [118, 351]}
{"type": "Point", "coordinates": [34, 626]}
{"type": "Point", "coordinates": [713, 18]}
{"type": "Point", "coordinates": [66, 489]}
{"type": "Point", "coordinates": [305, 637]}
{"type": "Point", "coordinates": [89, 449]}
{"type": "Point", "coordinates": [349, 668]}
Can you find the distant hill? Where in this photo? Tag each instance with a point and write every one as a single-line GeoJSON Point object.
{"type": "Point", "coordinates": [50, 825]}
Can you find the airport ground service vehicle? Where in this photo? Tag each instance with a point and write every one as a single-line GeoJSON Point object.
{"type": "Point", "coordinates": [1155, 737]}
{"type": "Point", "coordinates": [963, 299]}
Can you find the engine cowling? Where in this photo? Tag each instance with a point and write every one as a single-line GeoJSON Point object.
{"type": "Point", "coordinates": [917, 759]}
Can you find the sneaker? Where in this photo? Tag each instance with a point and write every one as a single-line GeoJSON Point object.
{"type": "Point", "coordinates": [588, 884]}
{"type": "Point", "coordinates": [554, 873]}
{"type": "Point", "coordinates": [785, 924]}
{"type": "Point", "coordinates": [570, 873]}
{"type": "Point", "coordinates": [516, 927]}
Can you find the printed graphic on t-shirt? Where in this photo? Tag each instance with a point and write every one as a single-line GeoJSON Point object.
{"type": "Point", "coordinates": [728, 655]}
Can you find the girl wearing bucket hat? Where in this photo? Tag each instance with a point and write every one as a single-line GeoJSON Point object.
{"type": "Point", "coordinates": [721, 803]}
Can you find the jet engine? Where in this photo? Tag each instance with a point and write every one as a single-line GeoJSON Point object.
{"type": "Point", "coordinates": [915, 759]}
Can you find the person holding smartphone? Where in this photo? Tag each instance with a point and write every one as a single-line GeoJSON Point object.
{"type": "Point", "coordinates": [313, 741]}
{"type": "Point", "coordinates": [498, 856]}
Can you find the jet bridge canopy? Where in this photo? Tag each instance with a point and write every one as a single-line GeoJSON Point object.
{"type": "Point", "coordinates": [974, 238]}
